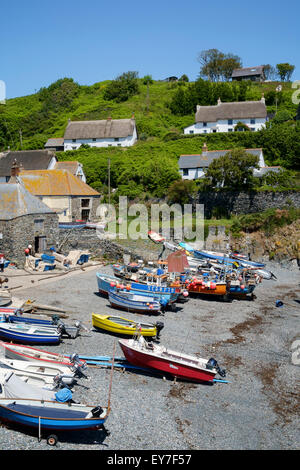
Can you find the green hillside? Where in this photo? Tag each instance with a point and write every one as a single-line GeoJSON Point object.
{"type": "Point", "coordinates": [148, 168]}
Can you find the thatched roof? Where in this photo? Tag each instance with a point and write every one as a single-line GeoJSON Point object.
{"type": "Point", "coordinates": [235, 110]}
{"type": "Point", "coordinates": [102, 129]}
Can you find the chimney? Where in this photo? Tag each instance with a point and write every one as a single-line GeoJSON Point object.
{"type": "Point", "coordinates": [219, 101]}
{"type": "Point", "coordinates": [109, 118]}
{"type": "Point", "coordinates": [15, 169]}
{"type": "Point", "coordinates": [204, 148]}
{"type": "Point", "coordinates": [132, 116]}
{"type": "Point", "coordinates": [263, 100]}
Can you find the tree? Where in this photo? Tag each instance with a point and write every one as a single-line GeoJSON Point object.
{"type": "Point", "coordinates": [270, 72]}
{"type": "Point", "coordinates": [216, 66]}
{"type": "Point", "coordinates": [123, 87]}
{"type": "Point", "coordinates": [181, 191]}
{"type": "Point", "coordinates": [298, 113]}
{"type": "Point", "coordinates": [285, 71]}
{"type": "Point", "coordinates": [184, 78]}
{"type": "Point", "coordinates": [232, 171]}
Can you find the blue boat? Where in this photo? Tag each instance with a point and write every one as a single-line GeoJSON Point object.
{"type": "Point", "coordinates": [226, 259]}
{"type": "Point", "coordinates": [107, 283]}
{"type": "Point", "coordinates": [29, 333]}
{"type": "Point", "coordinates": [52, 416]}
{"type": "Point", "coordinates": [135, 302]}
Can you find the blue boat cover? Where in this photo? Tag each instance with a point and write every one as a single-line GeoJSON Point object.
{"type": "Point", "coordinates": [63, 395]}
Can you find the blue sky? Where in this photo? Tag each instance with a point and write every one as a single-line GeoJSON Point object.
{"type": "Point", "coordinates": [91, 41]}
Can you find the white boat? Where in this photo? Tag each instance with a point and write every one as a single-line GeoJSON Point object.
{"type": "Point", "coordinates": [12, 386]}
{"type": "Point", "coordinates": [42, 370]}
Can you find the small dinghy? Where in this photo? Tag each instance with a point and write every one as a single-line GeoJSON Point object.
{"type": "Point", "coordinates": [141, 353]}
{"type": "Point", "coordinates": [5, 298]}
{"type": "Point", "coordinates": [42, 370]}
{"type": "Point", "coordinates": [124, 326]}
{"type": "Point", "coordinates": [12, 386]}
{"type": "Point", "coordinates": [29, 333]}
{"type": "Point", "coordinates": [134, 302]}
{"type": "Point", "coordinates": [28, 353]}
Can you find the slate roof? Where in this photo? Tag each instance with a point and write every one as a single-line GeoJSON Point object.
{"type": "Point", "coordinates": [101, 129]}
{"type": "Point", "coordinates": [247, 71]}
{"type": "Point", "coordinates": [55, 183]}
{"type": "Point", "coordinates": [55, 142]}
{"type": "Point", "coordinates": [204, 159]}
{"type": "Point", "coordinates": [28, 159]}
{"type": "Point", "coordinates": [16, 201]}
{"type": "Point", "coordinates": [235, 110]}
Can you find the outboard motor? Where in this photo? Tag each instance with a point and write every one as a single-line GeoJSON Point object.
{"type": "Point", "coordinates": [58, 381]}
{"type": "Point", "coordinates": [78, 370]}
{"type": "Point", "coordinates": [55, 319]}
{"type": "Point", "coordinates": [97, 411]}
{"type": "Point", "coordinates": [159, 326]}
{"type": "Point", "coordinates": [213, 364]}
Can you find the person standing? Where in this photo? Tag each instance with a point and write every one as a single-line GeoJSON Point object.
{"type": "Point", "coordinates": [1, 262]}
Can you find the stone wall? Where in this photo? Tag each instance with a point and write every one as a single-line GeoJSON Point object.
{"type": "Point", "coordinates": [87, 239]}
{"type": "Point", "coordinates": [18, 233]}
{"type": "Point", "coordinates": [225, 203]}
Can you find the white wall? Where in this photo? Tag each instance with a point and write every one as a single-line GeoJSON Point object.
{"type": "Point", "coordinates": [122, 142]}
{"type": "Point", "coordinates": [223, 126]}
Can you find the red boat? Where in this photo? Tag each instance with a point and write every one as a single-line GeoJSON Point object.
{"type": "Point", "coordinates": [142, 353]}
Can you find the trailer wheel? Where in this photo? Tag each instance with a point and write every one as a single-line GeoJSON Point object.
{"type": "Point", "coordinates": [52, 440]}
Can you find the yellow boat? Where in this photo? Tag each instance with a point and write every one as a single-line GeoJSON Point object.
{"type": "Point", "coordinates": [124, 326]}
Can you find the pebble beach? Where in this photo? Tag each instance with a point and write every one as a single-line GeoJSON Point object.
{"type": "Point", "coordinates": [258, 409]}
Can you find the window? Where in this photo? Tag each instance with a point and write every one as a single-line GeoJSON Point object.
{"type": "Point", "coordinates": [191, 132]}
{"type": "Point", "coordinates": [205, 124]}
{"type": "Point", "coordinates": [94, 140]}
{"type": "Point", "coordinates": [252, 129]}
{"type": "Point", "coordinates": [116, 139]}
{"type": "Point", "coordinates": [230, 130]}
{"type": "Point", "coordinates": [39, 224]}
{"type": "Point", "coordinates": [73, 140]}
{"type": "Point", "coordinates": [230, 122]}
{"type": "Point", "coordinates": [185, 172]}
{"type": "Point", "coordinates": [85, 203]}
{"type": "Point", "coordinates": [252, 121]}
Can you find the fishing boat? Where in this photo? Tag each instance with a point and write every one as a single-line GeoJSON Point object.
{"type": "Point", "coordinates": [134, 302]}
{"type": "Point", "coordinates": [124, 326]}
{"type": "Point", "coordinates": [199, 286]}
{"type": "Point", "coordinates": [27, 353]}
{"type": "Point", "coordinates": [50, 416]}
{"type": "Point", "coordinates": [141, 353]}
{"type": "Point", "coordinates": [29, 334]}
{"type": "Point", "coordinates": [107, 283]}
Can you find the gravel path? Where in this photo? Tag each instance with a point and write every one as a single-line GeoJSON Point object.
{"type": "Point", "coordinates": [251, 339]}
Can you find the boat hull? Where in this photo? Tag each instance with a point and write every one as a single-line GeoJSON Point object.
{"type": "Point", "coordinates": [220, 289]}
{"type": "Point", "coordinates": [28, 338]}
{"type": "Point", "coordinates": [167, 293]}
{"type": "Point", "coordinates": [185, 372]}
{"type": "Point", "coordinates": [104, 322]}
{"type": "Point", "coordinates": [118, 301]}
{"type": "Point", "coordinates": [34, 414]}
{"type": "Point", "coordinates": [27, 353]}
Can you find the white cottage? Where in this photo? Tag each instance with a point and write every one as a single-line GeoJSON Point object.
{"type": "Point", "coordinates": [225, 116]}
{"type": "Point", "coordinates": [101, 133]}
{"type": "Point", "coordinates": [193, 167]}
